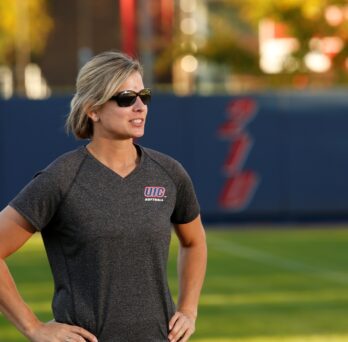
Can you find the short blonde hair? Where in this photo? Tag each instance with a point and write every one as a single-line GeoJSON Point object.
{"type": "Point", "coordinates": [97, 81]}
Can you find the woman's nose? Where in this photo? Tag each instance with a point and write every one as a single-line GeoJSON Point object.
{"type": "Point", "coordinates": [138, 105]}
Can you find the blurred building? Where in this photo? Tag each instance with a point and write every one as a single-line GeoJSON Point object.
{"type": "Point", "coordinates": [82, 28]}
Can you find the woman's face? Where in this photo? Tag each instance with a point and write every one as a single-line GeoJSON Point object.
{"type": "Point", "coordinates": [121, 123]}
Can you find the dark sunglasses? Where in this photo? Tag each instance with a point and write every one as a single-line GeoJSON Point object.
{"type": "Point", "coordinates": [127, 98]}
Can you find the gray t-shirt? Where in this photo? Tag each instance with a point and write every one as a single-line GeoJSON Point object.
{"type": "Point", "coordinates": [107, 240]}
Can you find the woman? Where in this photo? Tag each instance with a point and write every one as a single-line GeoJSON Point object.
{"type": "Point", "coordinates": [105, 212]}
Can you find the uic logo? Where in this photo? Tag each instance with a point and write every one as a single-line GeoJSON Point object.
{"type": "Point", "coordinates": [154, 191]}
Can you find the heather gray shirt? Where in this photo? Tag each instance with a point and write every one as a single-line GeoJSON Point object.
{"type": "Point", "coordinates": [107, 240]}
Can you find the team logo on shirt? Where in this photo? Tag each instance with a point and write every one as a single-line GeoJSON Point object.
{"type": "Point", "coordinates": [154, 193]}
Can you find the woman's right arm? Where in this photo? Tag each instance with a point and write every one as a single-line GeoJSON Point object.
{"type": "Point", "coordinates": [15, 230]}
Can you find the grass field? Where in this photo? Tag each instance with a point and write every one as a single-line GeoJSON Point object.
{"type": "Point", "coordinates": [262, 285]}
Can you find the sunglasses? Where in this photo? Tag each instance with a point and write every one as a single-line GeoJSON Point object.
{"type": "Point", "coordinates": [127, 98]}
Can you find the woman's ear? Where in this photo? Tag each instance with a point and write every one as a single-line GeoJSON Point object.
{"type": "Point", "coordinates": [93, 115]}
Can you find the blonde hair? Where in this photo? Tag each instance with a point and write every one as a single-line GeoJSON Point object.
{"type": "Point", "coordinates": [97, 81]}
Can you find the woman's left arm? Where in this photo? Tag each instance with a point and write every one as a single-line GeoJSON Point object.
{"type": "Point", "coordinates": [192, 261]}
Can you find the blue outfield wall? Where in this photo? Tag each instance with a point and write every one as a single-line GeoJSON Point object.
{"type": "Point", "coordinates": [253, 157]}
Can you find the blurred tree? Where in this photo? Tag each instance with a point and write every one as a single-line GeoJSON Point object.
{"type": "Point", "coordinates": [233, 37]}
{"type": "Point", "coordinates": [24, 27]}
{"type": "Point", "coordinates": [231, 40]}
{"type": "Point", "coordinates": [304, 19]}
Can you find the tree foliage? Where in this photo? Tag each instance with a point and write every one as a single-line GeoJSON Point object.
{"type": "Point", "coordinates": [304, 19]}
{"type": "Point", "coordinates": [13, 32]}
{"type": "Point", "coordinates": [231, 41]}
{"type": "Point", "coordinates": [233, 37]}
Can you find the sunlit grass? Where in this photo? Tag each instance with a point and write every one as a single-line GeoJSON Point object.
{"type": "Point", "coordinates": [262, 286]}
{"type": "Point", "coordinates": [318, 338]}
{"type": "Point", "coordinates": [29, 267]}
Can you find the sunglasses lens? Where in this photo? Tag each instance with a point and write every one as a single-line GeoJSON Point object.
{"type": "Point", "coordinates": [145, 96]}
{"type": "Point", "coordinates": [126, 100]}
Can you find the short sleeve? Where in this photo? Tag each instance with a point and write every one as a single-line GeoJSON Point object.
{"type": "Point", "coordinates": [186, 206]}
{"type": "Point", "coordinates": [38, 200]}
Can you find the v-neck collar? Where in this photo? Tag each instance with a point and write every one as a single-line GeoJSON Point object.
{"type": "Point", "coordinates": [108, 169]}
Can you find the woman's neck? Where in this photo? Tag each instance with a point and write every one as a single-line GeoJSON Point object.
{"type": "Point", "coordinates": [120, 156]}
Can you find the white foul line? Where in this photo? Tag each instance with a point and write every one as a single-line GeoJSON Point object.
{"type": "Point", "coordinates": [274, 260]}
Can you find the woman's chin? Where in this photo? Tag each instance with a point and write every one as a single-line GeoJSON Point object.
{"type": "Point", "coordinates": [138, 134]}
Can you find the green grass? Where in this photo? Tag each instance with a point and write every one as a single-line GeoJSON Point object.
{"type": "Point", "coordinates": [262, 285]}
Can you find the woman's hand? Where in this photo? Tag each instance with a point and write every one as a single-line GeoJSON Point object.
{"type": "Point", "coordinates": [58, 332]}
{"type": "Point", "coordinates": [181, 326]}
